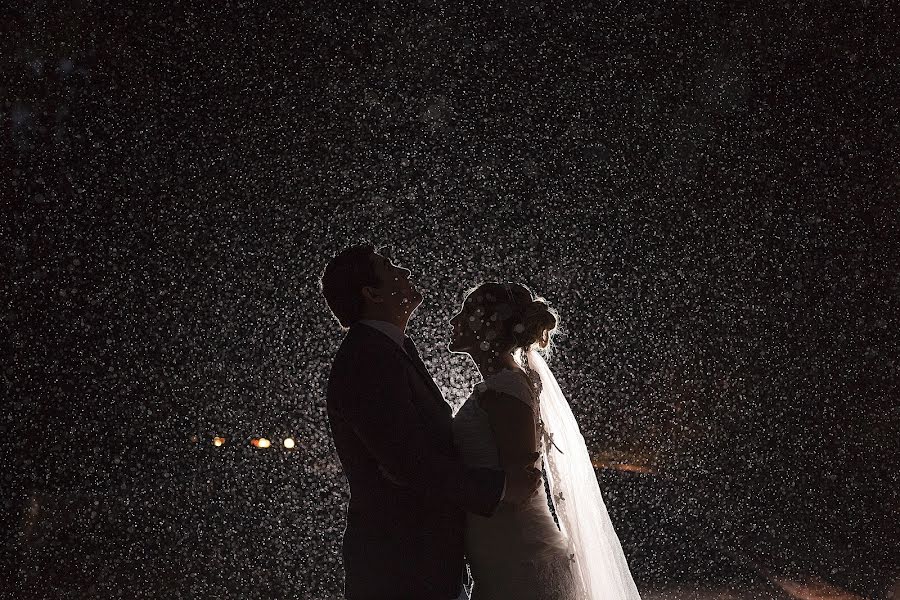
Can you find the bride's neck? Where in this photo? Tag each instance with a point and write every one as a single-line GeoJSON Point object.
{"type": "Point", "coordinates": [489, 364]}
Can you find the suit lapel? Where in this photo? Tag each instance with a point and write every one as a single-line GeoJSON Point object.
{"type": "Point", "coordinates": [416, 360]}
{"type": "Point", "coordinates": [412, 357]}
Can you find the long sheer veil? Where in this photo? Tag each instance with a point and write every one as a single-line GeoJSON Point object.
{"type": "Point", "coordinates": [601, 570]}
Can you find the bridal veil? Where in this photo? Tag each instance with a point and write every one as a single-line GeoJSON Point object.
{"type": "Point", "coordinates": [601, 570]}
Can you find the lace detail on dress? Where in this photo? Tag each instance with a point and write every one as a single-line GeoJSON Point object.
{"type": "Point", "coordinates": [519, 552]}
{"type": "Point", "coordinates": [554, 576]}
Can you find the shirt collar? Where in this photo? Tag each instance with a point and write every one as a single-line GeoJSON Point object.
{"type": "Point", "coordinates": [389, 329]}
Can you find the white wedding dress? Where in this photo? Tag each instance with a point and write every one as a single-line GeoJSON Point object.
{"type": "Point", "coordinates": [518, 552]}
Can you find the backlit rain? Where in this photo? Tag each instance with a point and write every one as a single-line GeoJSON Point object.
{"type": "Point", "coordinates": [707, 192]}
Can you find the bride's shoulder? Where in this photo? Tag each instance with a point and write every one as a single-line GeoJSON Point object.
{"type": "Point", "coordinates": [512, 383]}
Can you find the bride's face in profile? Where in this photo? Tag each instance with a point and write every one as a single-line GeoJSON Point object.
{"type": "Point", "coordinates": [473, 330]}
{"type": "Point", "coordinates": [465, 326]}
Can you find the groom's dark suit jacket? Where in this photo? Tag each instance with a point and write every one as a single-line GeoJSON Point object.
{"type": "Point", "coordinates": [408, 490]}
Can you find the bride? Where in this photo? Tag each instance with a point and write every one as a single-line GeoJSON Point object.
{"type": "Point", "coordinates": [516, 416]}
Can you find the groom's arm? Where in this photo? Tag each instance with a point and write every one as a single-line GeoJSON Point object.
{"type": "Point", "coordinates": [382, 414]}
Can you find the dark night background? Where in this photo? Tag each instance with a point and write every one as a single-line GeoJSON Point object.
{"type": "Point", "coordinates": [706, 191]}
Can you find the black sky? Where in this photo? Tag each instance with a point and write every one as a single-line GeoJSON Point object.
{"type": "Point", "coordinates": [706, 190]}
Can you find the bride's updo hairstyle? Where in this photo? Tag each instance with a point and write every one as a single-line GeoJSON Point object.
{"type": "Point", "coordinates": [514, 319]}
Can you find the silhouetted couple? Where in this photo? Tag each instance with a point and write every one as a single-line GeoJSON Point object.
{"type": "Point", "coordinates": [428, 489]}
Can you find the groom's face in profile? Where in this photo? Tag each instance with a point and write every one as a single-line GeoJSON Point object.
{"type": "Point", "coordinates": [396, 294]}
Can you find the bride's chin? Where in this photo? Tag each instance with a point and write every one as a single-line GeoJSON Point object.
{"type": "Point", "coordinates": [454, 348]}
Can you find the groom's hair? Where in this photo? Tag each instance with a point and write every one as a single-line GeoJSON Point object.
{"type": "Point", "coordinates": [343, 279]}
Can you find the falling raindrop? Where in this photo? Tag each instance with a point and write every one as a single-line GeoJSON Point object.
{"type": "Point", "coordinates": [705, 193]}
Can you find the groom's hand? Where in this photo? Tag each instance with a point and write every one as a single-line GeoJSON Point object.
{"type": "Point", "coordinates": [390, 477]}
{"type": "Point", "coordinates": [521, 483]}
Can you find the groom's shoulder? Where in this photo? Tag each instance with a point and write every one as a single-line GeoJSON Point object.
{"type": "Point", "coordinates": [350, 345]}
{"type": "Point", "coordinates": [355, 337]}
{"type": "Point", "coordinates": [362, 359]}
{"type": "Point", "coordinates": [348, 361]}
{"type": "Point", "coordinates": [362, 342]}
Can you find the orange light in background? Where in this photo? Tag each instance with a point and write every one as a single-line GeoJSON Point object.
{"type": "Point", "coordinates": [813, 588]}
{"type": "Point", "coordinates": [289, 443]}
{"type": "Point", "coordinates": [264, 443]}
{"type": "Point", "coordinates": [218, 441]}
{"type": "Point", "coordinates": [630, 468]}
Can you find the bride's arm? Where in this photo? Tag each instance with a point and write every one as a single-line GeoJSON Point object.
{"type": "Point", "coordinates": [512, 422]}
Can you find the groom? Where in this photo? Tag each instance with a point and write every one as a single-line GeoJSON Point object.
{"type": "Point", "coordinates": [392, 429]}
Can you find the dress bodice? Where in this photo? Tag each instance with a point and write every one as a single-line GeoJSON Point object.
{"type": "Point", "coordinates": [472, 432]}
{"type": "Point", "coordinates": [518, 552]}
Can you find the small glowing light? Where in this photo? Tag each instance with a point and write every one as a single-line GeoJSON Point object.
{"type": "Point", "coordinates": [254, 442]}
{"type": "Point", "coordinates": [218, 441]}
{"type": "Point", "coordinates": [288, 443]}
{"type": "Point", "coordinates": [264, 443]}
